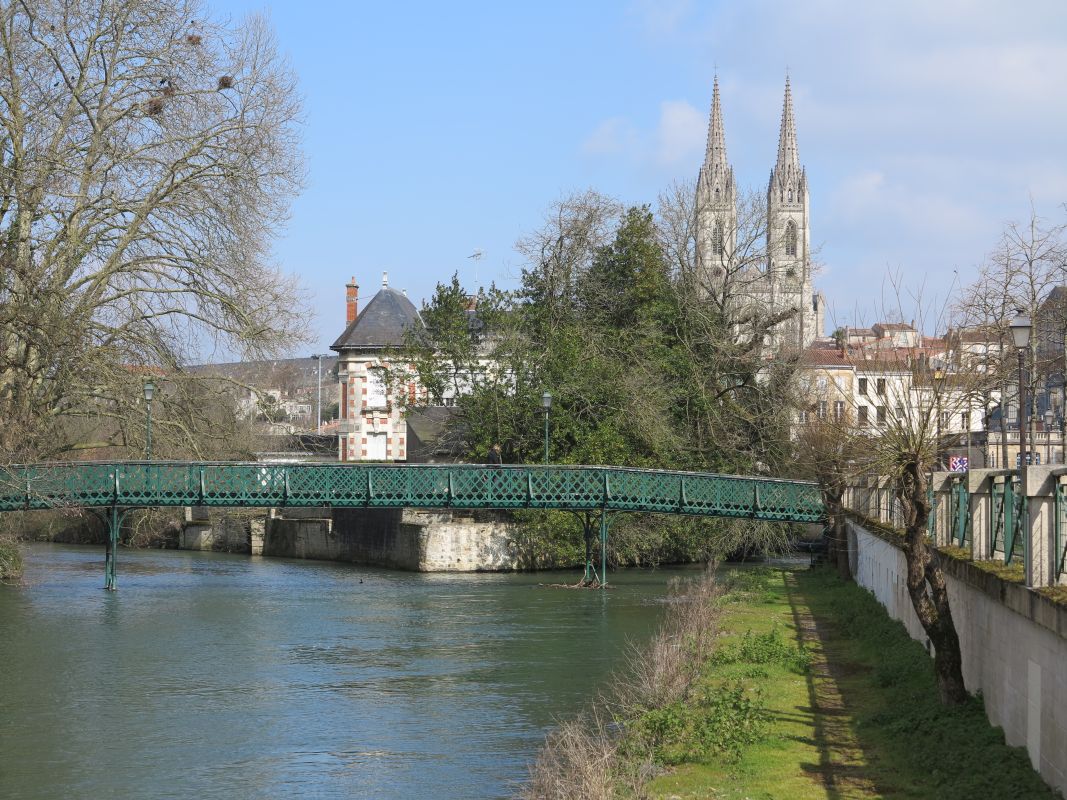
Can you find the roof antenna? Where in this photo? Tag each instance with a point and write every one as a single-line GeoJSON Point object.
{"type": "Point", "coordinates": [385, 280]}
{"type": "Point", "coordinates": [477, 256]}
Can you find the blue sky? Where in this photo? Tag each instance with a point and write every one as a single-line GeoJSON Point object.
{"type": "Point", "coordinates": [433, 129]}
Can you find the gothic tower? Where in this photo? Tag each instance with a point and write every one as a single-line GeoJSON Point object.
{"type": "Point", "coordinates": [788, 271]}
{"type": "Point", "coordinates": [716, 200]}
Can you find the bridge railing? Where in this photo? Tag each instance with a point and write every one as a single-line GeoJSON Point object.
{"type": "Point", "coordinates": [41, 486]}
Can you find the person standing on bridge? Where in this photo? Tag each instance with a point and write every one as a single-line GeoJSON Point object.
{"type": "Point", "coordinates": [494, 455]}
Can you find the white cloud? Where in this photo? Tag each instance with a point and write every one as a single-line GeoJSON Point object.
{"type": "Point", "coordinates": [614, 136]}
{"type": "Point", "coordinates": [677, 138]}
{"type": "Point", "coordinates": [660, 17]}
{"type": "Point", "coordinates": [681, 132]}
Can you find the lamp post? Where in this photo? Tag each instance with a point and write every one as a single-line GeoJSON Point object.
{"type": "Point", "coordinates": [149, 392]}
{"type": "Point", "coordinates": [1049, 419]}
{"type": "Point", "coordinates": [1020, 333]}
{"type": "Point", "coordinates": [546, 404]}
{"type": "Point", "coordinates": [318, 405]}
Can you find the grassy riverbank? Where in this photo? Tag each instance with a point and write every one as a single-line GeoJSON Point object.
{"type": "Point", "coordinates": [10, 558]}
{"type": "Point", "coordinates": [809, 691]}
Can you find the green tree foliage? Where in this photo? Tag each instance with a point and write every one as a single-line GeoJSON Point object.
{"type": "Point", "coordinates": [641, 371]}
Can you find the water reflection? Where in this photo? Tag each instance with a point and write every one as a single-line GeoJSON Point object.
{"type": "Point", "coordinates": [231, 677]}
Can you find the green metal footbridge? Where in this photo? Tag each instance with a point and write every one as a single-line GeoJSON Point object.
{"type": "Point", "coordinates": [596, 493]}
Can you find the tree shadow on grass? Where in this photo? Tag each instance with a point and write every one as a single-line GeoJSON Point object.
{"type": "Point", "coordinates": [878, 722]}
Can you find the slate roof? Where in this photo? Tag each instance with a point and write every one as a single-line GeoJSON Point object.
{"type": "Point", "coordinates": [381, 323]}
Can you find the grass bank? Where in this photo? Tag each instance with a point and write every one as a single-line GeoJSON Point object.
{"type": "Point", "coordinates": [863, 721]}
{"type": "Point", "coordinates": [10, 558]}
{"type": "Point", "coordinates": [808, 691]}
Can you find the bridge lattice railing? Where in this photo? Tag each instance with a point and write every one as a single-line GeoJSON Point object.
{"type": "Point", "coordinates": [93, 484]}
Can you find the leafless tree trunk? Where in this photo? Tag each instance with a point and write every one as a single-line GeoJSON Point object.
{"type": "Point", "coordinates": [147, 159]}
{"type": "Point", "coordinates": [926, 585]}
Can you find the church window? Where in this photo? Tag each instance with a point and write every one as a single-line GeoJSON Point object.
{"type": "Point", "coordinates": [791, 238]}
{"type": "Point", "coordinates": [718, 246]}
{"type": "Point", "coordinates": [717, 193]}
{"type": "Point", "coordinates": [790, 195]}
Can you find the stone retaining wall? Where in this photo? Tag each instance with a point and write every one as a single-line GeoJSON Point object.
{"type": "Point", "coordinates": [1013, 640]}
{"type": "Point", "coordinates": [423, 541]}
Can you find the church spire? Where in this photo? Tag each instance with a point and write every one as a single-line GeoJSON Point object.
{"type": "Point", "coordinates": [716, 152]}
{"type": "Point", "coordinates": [787, 137]}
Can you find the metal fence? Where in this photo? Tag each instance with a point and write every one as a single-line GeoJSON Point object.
{"type": "Point", "coordinates": [148, 484]}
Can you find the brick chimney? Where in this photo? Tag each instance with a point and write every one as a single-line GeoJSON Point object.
{"type": "Point", "coordinates": [351, 300]}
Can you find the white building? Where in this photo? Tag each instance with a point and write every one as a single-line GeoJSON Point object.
{"type": "Point", "coordinates": [372, 426]}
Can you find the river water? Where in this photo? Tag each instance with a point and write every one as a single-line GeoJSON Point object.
{"type": "Point", "coordinates": [217, 676]}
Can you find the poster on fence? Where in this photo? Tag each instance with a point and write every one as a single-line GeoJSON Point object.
{"type": "Point", "coordinates": [958, 463]}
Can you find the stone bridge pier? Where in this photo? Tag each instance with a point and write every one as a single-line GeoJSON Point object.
{"type": "Point", "coordinates": [399, 538]}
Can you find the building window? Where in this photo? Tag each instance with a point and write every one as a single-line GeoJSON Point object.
{"type": "Point", "coordinates": [965, 420]}
{"type": "Point", "coordinates": [863, 415]}
{"type": "Point", "coordinates": [839, 410]}
{"type": "Point", "coordinates": [946, 420]}
{"type": "Point", "coordinates": [881, 386]}
{"type": "Point", "coordinates": [820, 383]}
{"type": "Point", "coordinates": [900, 412]}
{"type": "Point", "coordinates": [376, 395]}
{"type": "Point", "coordinates": [881, 415]}
{"type": "Point", "coordinates": [802, 416]}
{"type": "Point", "coordinates": [718, 246]}
{"type": "Point", "coordinates": [863, 386]}
{"type": "Point", "coordinates": [821, 412]}
{"type": "Point", "coordinates": [791, 235]}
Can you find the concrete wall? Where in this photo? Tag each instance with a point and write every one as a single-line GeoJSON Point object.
{"type": "Point", "coordinates": [424, 541]}
{"type": "Point", "coordinates": [1014, 644]}
{"type": "Point", "coordinates": [227, 533]}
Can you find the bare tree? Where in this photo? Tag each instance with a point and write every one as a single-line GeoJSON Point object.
{"type": "Point", "coordinates": [1028, 262]}
{"type": "Point", "coordinates": [147, 159]}
{"type": "Point", "coordinates": [920, 385]}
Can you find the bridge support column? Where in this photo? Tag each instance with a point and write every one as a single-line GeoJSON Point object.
{"type": "Point", "coordinates": [589, 521]}
{"type": "Point", "coordinates": [603, 548]}
{"type": "Point", "coordinates": [112, 544]}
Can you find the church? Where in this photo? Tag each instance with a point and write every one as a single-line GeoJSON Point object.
{"type": "Point", "coordinates": [771, 279]}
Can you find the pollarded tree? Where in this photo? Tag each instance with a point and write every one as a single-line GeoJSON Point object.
{"type": "Point", "coordinates": [147, 159]}
{"type": "Point", "coordinates": [921, 384]}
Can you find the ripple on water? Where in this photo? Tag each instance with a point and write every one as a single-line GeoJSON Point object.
{"type": "Point", "coordinates": [216, 676]}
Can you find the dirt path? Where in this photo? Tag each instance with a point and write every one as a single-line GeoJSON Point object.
{"type": "Point", "coordinates": [842, 761]}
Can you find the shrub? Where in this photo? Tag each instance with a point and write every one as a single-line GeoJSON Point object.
{"type": "Point", "coordinates": [720, 720]}
{"type": "Point", "coordinates": [765, 648]}
{"type": "Point", "coordinates": [10, 559]}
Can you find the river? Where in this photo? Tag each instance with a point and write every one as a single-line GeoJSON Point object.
{"type": "Point", "coordinates": [217, 676]}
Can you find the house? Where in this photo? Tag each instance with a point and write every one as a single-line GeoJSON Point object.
{"type": "Point", "coordinates": [372, 424]}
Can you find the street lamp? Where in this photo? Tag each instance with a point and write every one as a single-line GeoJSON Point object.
{"type": "Point", "coordinates": [1020, 333]}
{"type": "Point", "coordinates": [546, 404]}
{"type": "Point", "coordinates": [1049, 419]}
{"type": "Point", "coordinates": [318, 406]}
{"type": "Point", "coordinates": [149, 392]}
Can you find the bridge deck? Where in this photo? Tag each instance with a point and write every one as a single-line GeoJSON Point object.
{"type": "Point", "coordinates": [126, 484]}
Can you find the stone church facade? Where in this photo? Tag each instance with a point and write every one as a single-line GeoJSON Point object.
{"type": "Point", "coordinates": [773, 280]}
